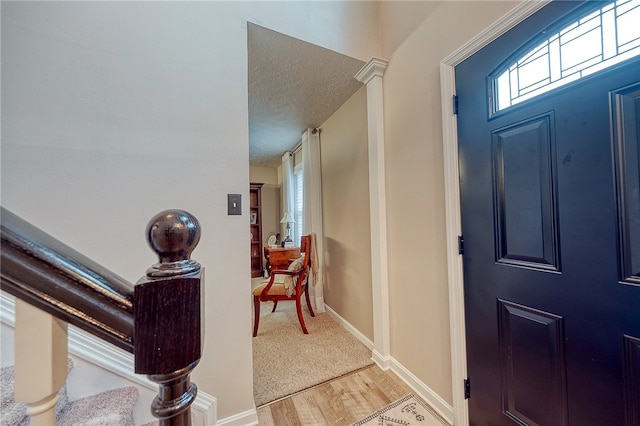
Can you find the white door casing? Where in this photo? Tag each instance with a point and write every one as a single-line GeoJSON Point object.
{"type": "Point", "coordinates": [452, 196]}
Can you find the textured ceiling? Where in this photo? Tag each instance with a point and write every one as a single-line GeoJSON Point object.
{"type": "Point", "coordinates": [293, 86]}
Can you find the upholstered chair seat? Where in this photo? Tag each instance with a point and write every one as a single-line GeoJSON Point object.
{"type": "Point", "coordinates": [276, 289]}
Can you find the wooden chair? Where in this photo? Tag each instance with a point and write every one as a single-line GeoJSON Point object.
{"type": "Point", "coordinates": [274, 291]}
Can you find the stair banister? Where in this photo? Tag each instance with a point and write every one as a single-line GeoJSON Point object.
{"type": "Point", "coordinates": [57, 279]}
{"type": "Point", "coordinates": [159, 319]}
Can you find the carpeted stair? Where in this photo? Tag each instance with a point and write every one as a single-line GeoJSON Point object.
{"type": "Point", "coordinates": [113, 407]}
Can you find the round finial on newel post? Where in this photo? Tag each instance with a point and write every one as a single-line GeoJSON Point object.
{"type": "Point", "coordinates": [173, 235]}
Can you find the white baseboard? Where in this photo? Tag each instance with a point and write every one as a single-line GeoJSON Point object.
{"type": "Point", "coordinates": [384, 362]}
{"type": "Point", "coordinates": [115, 360]}
{"type": "Point", "coordinates": [425, 392]}
{"type": "Point", "coordinates": [388, 362]}
{"type": "Point", "coordinates": [247, 418]}
{"type": "Point", "coordinates": [358, 335]}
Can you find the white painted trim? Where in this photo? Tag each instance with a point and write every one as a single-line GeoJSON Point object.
{"type": "Point", "coordinates": [246, 418]}
{"type": "Point", "coordinates": [351, 329]}
{"type": "Point", "coordinates": [374, 68]}
{"type": "Point", "coordinates": [113, 359]}
{"type": "Point", "coordinates": [205, 406]}
{"type": "Point", "coordinates": [7, 310]}
{"type": "Point", "coordinates": [386, 363]}
{"type": "Point", "coordinates": [460, 412]}
{"type": "Point", "coordinates": [371, 74]}
{"type": "Point", "coordinates": [425, 392]}
{"type": "Point", "coordinates": [454, 260]}
{"type": "Point", "coordinates": [516, 15]}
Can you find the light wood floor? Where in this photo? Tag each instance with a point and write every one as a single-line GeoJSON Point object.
{"type": "Point", "coordinates": [339, 402]}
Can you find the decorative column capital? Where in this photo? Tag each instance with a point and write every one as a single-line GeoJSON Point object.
{"type": "Point", "coordinates": [374, 68]}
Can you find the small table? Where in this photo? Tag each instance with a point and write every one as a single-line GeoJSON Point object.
{"type": "Point", "coordinates": [280, 257]}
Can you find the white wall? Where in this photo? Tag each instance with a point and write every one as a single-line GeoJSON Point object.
{"type": "Point", "coordinates": [114, 111]}
{"type": "Point", "coordinates": [418, 292]}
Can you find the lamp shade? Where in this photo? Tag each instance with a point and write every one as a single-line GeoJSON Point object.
{"type": "Point", "coordinates": [287, 218]}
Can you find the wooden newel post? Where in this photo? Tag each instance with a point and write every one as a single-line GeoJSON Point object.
{"type": "Point", "coordinates": [168, 316]}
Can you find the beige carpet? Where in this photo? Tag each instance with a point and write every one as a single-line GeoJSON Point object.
{"type": "Point", "coordinates": [286, 361]}
{"type": "Point", "coordinates": [408, 410]}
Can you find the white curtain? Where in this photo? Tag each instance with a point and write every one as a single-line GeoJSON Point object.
{"type": "Point", "coordinates": [288, 189]}
{"type": "Point", "coordinates": [313, 207]}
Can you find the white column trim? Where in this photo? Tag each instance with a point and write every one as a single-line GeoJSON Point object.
{"type": "Point", "coordinates": [452, 196]}
{"type": "Point", "coordinates": [371, 74]}
{"type": "Point", "coordinates": [374, 68]}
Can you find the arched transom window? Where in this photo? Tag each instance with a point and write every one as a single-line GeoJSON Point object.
{"type": "Point", "coordinates": [598, 40]}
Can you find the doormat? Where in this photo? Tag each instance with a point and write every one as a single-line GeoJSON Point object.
{"type": "Point", "coordinates": [406, 411]}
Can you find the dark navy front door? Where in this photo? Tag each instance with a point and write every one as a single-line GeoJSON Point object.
{"type": "Point", "coordinates": [551, 224]}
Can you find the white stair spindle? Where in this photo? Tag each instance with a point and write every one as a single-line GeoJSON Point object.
{"type": "Point", "coordinates": [41, 361]}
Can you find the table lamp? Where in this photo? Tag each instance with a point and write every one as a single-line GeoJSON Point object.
{"type": "Point", "coordinates": [288, 219]}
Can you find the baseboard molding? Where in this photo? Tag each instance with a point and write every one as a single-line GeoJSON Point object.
{"type": "Point", "coordinates": [384, 362]}
{"type": "Point", "coordinates": [425, 392]}
{"type": "Point", "coordinates": [388, 362]}
{"type": "Point", "coordinates": [116, 361]}
{"type": "Point", "coordinates": [358, 335]}
{"type": "Point", "coordinates": [247, 418]}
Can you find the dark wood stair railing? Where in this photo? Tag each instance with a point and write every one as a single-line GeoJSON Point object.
{"type": "Point", "coordinates": [159, 319]}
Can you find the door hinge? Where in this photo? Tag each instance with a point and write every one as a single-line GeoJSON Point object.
{"type": "Point", "coordinates": [467, 388]}
{"type": "Point", "coordinates": [455, 104]}
{"type": "Point", "coordinates": [460, 244]}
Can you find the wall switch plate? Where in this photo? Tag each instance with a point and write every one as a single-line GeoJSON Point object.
{"type": "Point", "coordinates": [234, 204]}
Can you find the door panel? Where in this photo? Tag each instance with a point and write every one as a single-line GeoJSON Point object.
{"type": "Point", "coordinates": [524, 194]}
{"type": "Point", "coordinates": [625, 112]}
{"type": "Point", "coordinates": [551, 222]}
{"type": "Point", "coordinates": [532, 354]}
{"type": "Point", "coordinates": [632, 379]}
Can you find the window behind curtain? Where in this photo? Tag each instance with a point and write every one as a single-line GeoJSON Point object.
{"type": "Point", "coordinates": [298, 204]}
